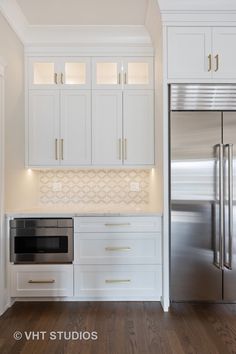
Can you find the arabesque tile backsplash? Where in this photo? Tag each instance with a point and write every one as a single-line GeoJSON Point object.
{"type": "Point", "coordinates": [94, 187]}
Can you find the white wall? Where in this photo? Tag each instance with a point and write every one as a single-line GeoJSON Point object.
{"type": "Point", "coordinates": [153, 25]}
{"type": "Point", "coordinates": [20, 187]}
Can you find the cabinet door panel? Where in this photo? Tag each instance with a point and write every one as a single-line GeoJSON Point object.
{"type": "Point", "coordinates": [106, 127]}
{"type": "Point", "coordinates": [138, 127]}
{"type": "Point", "coordinates": [76, 73]}
{"type": "Point", "coordinates": [75, 144]}
{"type": "Point", "coordinates": [188, 51]}
{"type": "Point", "coordinates": [224, 39]}
{"type": "Point", "coordinates": [138, 73]}
{"type": "Point", "coordinates": [44, 73]}
{"type": "Point", "coordinates": [43, 127]}
{"type": "Point", "coordinates": [107, 73]}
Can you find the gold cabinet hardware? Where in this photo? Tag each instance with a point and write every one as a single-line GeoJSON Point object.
{"type": "Point", "coordinates": [123, 224]}
{"type": "Point", "coordinates": [117, 249]}
{"type": "Point", "coordinates": [120, 150]}
{"type": "Point", "coordinates": [62, 149]}
{"type": "Point", "coordinates": [62, 78]}
{"type": "Point", "coordinates": [125, 148]}
{"type": "Point", "coordinates": [125, 78]}
{"type": "Point", "coordinates": [56, 149]}
{"type": "Point", "coordinates": [50, 281]}
{"type": "Point", "coordinates": [119, 78]}
{"type": "Point", "coordinates": [217, 62]}
{"type": "Point", "coordinates": [55, 78]}
{"type": "Point", "coordinates": [115, 281]}
{"type": "Point", "coordinates": [209, 63]}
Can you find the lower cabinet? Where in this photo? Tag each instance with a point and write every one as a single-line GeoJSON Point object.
{"type": "Point", "coordinates": [41, 280]}
{"type": "Point", "coordinates": [118, 258]}
{"type": "Point", "coordinates": [113, 282]}
{"type": "Point", "coordinates": [115, 258]}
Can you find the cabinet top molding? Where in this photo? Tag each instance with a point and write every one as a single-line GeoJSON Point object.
{"type": "Point", "coordinates": [200, 5]}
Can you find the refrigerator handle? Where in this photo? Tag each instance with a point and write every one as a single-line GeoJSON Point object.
{"type": "Point", "coordinates": [228, 257]}
{"type": "Point", "coordinates": [220, 264]}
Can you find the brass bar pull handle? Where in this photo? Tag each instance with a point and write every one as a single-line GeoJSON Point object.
{"type": "Point", "coordinates": [125, 148]}
{"type": "Point", "coordinates": [62, 78]}
{"type": "Point", "coordinates": [209, 63]}
{"type": "Point", "coordinates": [217, 62]}
{"type": "Point", "coordinates": [118, 249]}
{"type": "Point", "coordinates": [119, 79]}
{"type": "Point", "coordinates": [62, 149]}
{"type": "Point", "coordinates": [120, 150]}
{"type": "Point", "coordinates": [125, 78]}
{"type": "Point", "coordinates": [56, 149]}
{"type": "Point", "coordinates": [115, 281]}
{"type": "Point", "coordinates": [56, 78]}
{"type": "Point", "coordinates": [50, 281]}
{"type": "Point", "coordinates": [123, 224]}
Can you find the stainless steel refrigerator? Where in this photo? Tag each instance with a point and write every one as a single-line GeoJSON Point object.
{"type": "Point", "coordinates": [203, 192]}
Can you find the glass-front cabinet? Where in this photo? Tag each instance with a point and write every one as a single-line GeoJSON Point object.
{"type": "Point", "coordinates": [123, 73]}
{"type": "Point", "coordinates": [59, 72]}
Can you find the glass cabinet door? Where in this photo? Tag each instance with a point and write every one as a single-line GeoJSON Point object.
{"type": "Point", "coordinates": [75, 73]}
{"type": "Point", "coordinates": [43, 73]}
{"type": "Point", "coordinates": [138, 73]}
{"type": "Point", "coordinates": [107, 73]}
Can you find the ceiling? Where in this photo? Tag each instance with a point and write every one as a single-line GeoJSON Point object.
{"type": "Point", "coordinates": [84, 12]}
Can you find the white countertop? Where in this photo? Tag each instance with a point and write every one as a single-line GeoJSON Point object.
{"type": "Point", "coordinates": [83, 211]}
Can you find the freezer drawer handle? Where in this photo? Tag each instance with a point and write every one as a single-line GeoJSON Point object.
{"type": "Point", "coordinates": [118, 249]}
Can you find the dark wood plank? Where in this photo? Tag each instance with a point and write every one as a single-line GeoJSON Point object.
{"type": "Point", "coordinates": [123, 328]}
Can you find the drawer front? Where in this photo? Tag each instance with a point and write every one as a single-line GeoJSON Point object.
{"type": "Point", "coordinates": [118, 224]}
{"type": "Point", "coordinates": [124, 282]}
{"type": "Point", "coordinates": [43, 280]}
{"type": "Point", "coordinates": [117, 248]}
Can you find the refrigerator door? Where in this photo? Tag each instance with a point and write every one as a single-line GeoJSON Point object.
{"type": "Point", "coordinates": [194, 189]}
{"type": "Point", "coordinates": [229, 136]}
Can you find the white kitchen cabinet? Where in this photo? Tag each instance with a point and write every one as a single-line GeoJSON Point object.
{"type": "Point", "coordinates": [43, 126]}
{"type": "Point", "coordinates": [122, 73]}
{"type": "Point", "coordinates": [188, 52]}
{"type": "Point", "coordinates": [107, 73]}
{"type": "Point", "coordinates": [201, 53]}
{"type": "Point", "coordinates": [41, 280]}
{"type": "Point", "coordinates": [59, 128]}
{"type": "Point", "coordinates": [75, 128]}
{"type": "Point", "coordinates": [138, 73]}
{"type": "Point", "coordinates": [106, 127]}
{"type": "Point", "coordinates": [59, 72]}
{"type": "Point", "coordinates": [224, 52]}
{"type": "Point", "coordinates": [138, 108]}
{"type": "Point", "coordinates": [123, 127]}
{"type": "Point", "coordinates": [123, 282]}
{"type": "Point", "coordinates": [118, 257]}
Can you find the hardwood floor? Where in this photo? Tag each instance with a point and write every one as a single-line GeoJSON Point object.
{"type": "Point", "coordinates": [122, 327]}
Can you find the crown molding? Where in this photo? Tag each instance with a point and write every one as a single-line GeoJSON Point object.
{"type": "Point", "coordinates": [203, 17]}
{"type": "Point", "coordinates": [30, 34]}
{"type": "Point", "coordinates": [14, 16]}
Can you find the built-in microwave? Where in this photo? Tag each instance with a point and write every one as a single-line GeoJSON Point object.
{"type": "Point", "coordinates": [41, 240]}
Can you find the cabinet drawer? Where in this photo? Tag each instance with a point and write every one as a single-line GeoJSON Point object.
{"type": "Point", "coordinates": [117, 224]}
{"type": "Point", "coordinates": [41, 280]}
{"type": "Point", "coordinates": [117, 248]}
{"type": "Point", "coordinates": [114, 282]}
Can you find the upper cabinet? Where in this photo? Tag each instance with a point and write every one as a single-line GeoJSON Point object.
{"type": "Point", "coordinates": [59, 73]}
{"type": "Point", "coordinates": [201, 53]}
{"type": "Point", "coordinates": [122, 73]}
{"type": "Point", "coordinates": [90, 112]}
